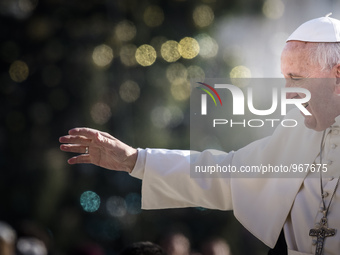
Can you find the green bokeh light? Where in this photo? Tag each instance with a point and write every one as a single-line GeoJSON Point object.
{"type": "Point", "coordinates": [90, 201]}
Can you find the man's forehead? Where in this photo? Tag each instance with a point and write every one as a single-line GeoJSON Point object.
{"type": "Point", "coordinates": [294, 59]}
{"type": "Point", "coordinates": [295, 51]}
{"type": "Point", "coordinates": [297, 45]}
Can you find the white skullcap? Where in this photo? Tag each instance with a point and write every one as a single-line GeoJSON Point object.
{"type": "Point", "coordinates": [324, 29]}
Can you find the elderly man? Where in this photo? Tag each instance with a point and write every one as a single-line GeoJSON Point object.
{"type": "Point", "coordinates": [303, 209]}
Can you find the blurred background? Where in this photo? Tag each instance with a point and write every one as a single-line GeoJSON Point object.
{"type": "Point", "coordinates": [124, 67]}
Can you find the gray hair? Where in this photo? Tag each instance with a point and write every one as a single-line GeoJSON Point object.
{"type": "Point", "coordinates": [327, 55]}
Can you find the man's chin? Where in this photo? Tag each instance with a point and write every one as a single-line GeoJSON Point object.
{"type": "Point", "coordinates": [310, 124]}
{"type": "Point", "coordinates": [313, 125]}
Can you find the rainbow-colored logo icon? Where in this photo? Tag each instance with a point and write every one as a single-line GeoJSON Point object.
{"type": "Point", "coordinates": [209, 93]}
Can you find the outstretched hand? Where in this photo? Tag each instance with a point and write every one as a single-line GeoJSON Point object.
{"type": "Point", "coordinates": [99, 148]}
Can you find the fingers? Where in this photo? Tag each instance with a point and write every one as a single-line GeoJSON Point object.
{"type": "Point", "coordinates": [103, 149]}
{"type": "Point", "coordinates": [81, 159]}
{"type": "Point", "coordinates": [76, 144]}
{"type": "Point", "coordinates": [76, 148]}
{"type": "Point", "coordinates": [75, 139]}
{"type": "Point", "coordinates": [88, 132]}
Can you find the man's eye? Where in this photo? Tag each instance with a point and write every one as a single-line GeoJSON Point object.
{"type": "Point", "coordinates": [295, 78]}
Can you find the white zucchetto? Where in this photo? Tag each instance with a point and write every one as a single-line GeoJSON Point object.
{"type": "Point", "coordinates": [324, 29]}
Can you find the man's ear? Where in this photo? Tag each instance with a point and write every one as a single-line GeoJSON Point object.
{"type": "Point", "coordinates": [337, 74]}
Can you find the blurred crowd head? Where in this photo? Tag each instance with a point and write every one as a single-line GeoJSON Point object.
{"type": "Point", "coordinates": [12, 244]}
{"type": "Point", "coordinates": [179, 244]}
{"type": "Point", "coordinates": [7, 239]}
{"type": "Point", "coordinates": [143, 248]}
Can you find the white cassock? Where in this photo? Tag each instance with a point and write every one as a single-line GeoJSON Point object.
{"type": "Point", "coordinates": [263, 205]}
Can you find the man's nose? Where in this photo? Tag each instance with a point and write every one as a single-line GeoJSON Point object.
{"type": "Point", "coordinates": [290, 95]}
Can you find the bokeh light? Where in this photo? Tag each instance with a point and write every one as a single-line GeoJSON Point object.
{"type": "Point", "coordinates": [100, 113]}
{"type": "Point", "coordinates": [160, 116]}
{"type": "Point", "coordinates": [127, 55]}
{"type": "Point", "coordinates": [56, 159]}
{"type": "Point", "coordinates": [240, 72]}
{"type": "Point", "coordinates": [176, 71]}
{"type": "Point", "coordinates": [116, 206]}
{"type": "Point", "coordinates": [153, 16]}
{"type": "Point", "coordinates": [166, 117]}
{"type": "Point", "coordinates": [102, 55]}
{"type": "Point", "coordinates": [203, 16]}
{"type": "Point", "coordinates": [180, 89]}
{"type": "Point", "coordinates": [27, 6]}
{"type": "Point", "coordinates": [208, 46]}
{"type": "Point", "coordinates": [169, 51]}
{"type": "Point", "coordinates": [195, 73]}
{"type": "Point", "coordinates": [129, 91]}
{"type": "Point", "coordinates": [145, 55]}
{"type": "Point", "coordinates": [18, 71]}
{"type": "Point", "coordinates": [19, 9]}
{"type": "Point", "coordinates": [273, 9]}
{"type": "Point", "coordinates": [40, 113]}
{"type": "Point", "coordinates": [188, 47]}
{"type": "Point", "coordinates": [133, 203]}
{"type": "Point", "coordinates": [89, 201]}
{"type": "Point", "coordinates": [239, 76]}
{"type": "Point", "coordinates": [125, 31]}
{"type": "Point", "coordinates": [39, 28]}
{"type": "Point", "coordinates": [177, 116]}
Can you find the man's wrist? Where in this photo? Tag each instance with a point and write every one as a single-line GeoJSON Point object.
{"type": "Point", "coordinates": [138, 169]}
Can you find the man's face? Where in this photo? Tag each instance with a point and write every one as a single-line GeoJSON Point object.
{"type": "Point", "coordinates": [298, 71]}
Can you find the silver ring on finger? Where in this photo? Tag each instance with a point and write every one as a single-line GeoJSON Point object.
{"type": "Point", "coordinates": [87, 150]}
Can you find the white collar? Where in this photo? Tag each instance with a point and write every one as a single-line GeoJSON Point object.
{"type": "Point", "coordinates": [337, 122]}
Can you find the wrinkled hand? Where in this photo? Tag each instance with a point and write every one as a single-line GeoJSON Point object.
{"type": "Point", "coordinates": [103, 149]}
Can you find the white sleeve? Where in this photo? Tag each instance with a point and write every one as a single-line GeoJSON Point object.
{"type": "Point", "coordinates": [167, 182]}
{"type": "Point", "coordinates": [261, 204]}
{"type": "Point", "coordinates": [166, 173]}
